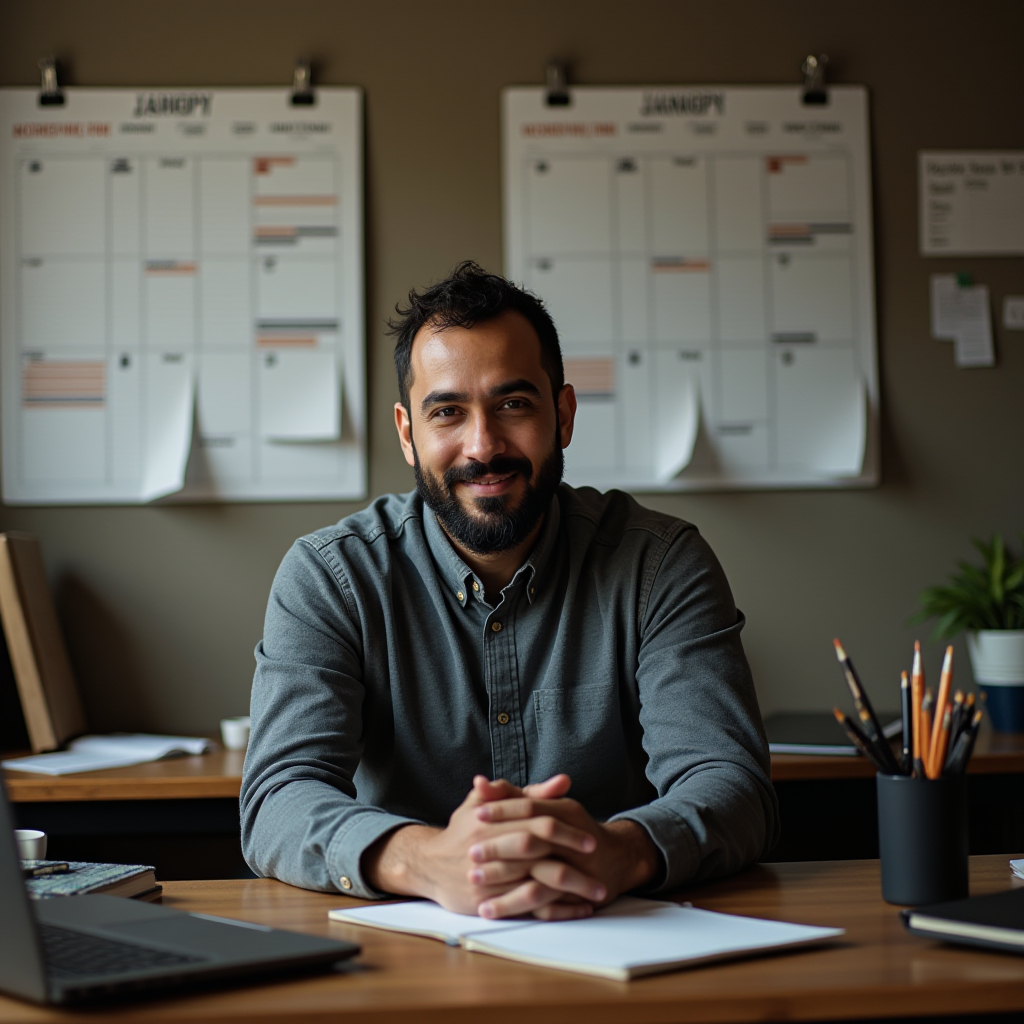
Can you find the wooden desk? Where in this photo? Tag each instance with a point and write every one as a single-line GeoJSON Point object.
{"type": "Point", "coordinates": [219, 774]}
{"type": "Point", "coordinates": [208, 776]}
{"type": "Point", "coordinates": [878, 969]}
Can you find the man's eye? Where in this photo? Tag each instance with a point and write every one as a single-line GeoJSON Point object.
{"type": "Point", "coordinates": [446, 412]}
{"type": "Point", "coordinates": [517, 403]}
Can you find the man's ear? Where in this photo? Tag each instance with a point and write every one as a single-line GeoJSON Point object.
{"type": "Point", "coordinates": [404, 427]}
{"type": "Point", "coordinates": [566, 407]}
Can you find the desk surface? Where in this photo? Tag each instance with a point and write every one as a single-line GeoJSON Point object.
{"type": "Point", "coordinates": [219, 774]}
{"type": "Point", "coordinates": [878, 969]}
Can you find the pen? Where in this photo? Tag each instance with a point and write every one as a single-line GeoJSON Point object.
{"type": "Point", "coordinates": [872, 727]}
{"type": "Point", "coordinates": [926, 729]}
{"type": "Point", "coordinates": [965, 746]}
{"type": "Point", "coordinates": [908, 735]}
{"type": "Point", "coordinates": [53, 867]}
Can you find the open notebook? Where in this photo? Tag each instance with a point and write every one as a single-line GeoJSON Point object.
{"type": "Point", "coordinates": [627, 939]}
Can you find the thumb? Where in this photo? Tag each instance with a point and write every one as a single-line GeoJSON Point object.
{"type": "Point", "coordinates": [484, 790]}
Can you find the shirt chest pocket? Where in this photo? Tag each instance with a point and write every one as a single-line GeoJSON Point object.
{"type": "Point", "coordinates": [579, 732]}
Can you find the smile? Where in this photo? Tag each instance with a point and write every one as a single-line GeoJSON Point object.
{"type": "Point", "coordinates": [491, 484]}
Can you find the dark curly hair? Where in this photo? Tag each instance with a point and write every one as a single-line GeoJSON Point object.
{"type": "Point", "coordinates": [469, 296]}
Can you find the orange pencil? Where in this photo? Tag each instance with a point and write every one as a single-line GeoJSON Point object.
{"type": "Point", "coordinates": [939, 753]}
{"type": "Point", "coordinates": [942, 701]}
{"type": "Point", "coordinates": [926, 729]}
{"type": "Point", "coordinates": [916, 696]}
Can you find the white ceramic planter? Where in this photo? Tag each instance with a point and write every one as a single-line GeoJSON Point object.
{"type": "Point", "coordinates": [997, 657]}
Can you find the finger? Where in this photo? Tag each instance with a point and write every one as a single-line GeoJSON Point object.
{"type": "Point", "coordinates": [556, 874]}
{"type": "Point", "coordinates": [549, 789]}
{"type": "Point", "coordinates": [523, 899]}
{"type": "Point", "coordinates": [517, 807]}
{"type": "Point", "coordinates": [485, 789]}
{"type": "Point", "coordinates": [562, 911]}
{"type": "Point", "coordinates": [532, 838]}
{"type": "Point", "coordinates": [499, 872]}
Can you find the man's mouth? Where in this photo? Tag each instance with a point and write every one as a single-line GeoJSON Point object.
{"type": "Point", "coordinates": [490, 484]}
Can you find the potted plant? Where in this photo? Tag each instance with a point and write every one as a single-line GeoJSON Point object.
{"type": "Point", "coordinates": [987, 602]}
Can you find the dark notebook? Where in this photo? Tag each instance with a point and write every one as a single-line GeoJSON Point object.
{"type": "Point", "coordinates": [996, 921]}
{"type": "Point", "coordinates": [818, 732]}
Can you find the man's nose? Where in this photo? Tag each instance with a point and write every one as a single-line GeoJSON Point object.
{"type": "Point", "coordinates": [483, 439]}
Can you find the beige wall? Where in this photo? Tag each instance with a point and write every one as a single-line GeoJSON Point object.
{"type": "Point", "coordinates": [162, 606]}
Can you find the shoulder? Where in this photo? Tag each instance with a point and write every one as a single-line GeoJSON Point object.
{"type": "Point", "coordinates": [385, 519]}
{"type": "Point", "coordinates": [612, 517]}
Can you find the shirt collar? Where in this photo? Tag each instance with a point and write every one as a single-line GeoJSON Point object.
{"type": "Point", "coordinates": [465, 583]}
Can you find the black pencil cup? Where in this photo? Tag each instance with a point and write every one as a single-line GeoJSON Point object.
{"type": "Point", "coordinates": [922, 838]}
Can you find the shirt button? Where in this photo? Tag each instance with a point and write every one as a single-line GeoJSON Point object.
{"type": "Point", "coordinates": [460, 595]}
{"type": "Point", "coordinates": [476, 586]}
{"type": "Point", "coordinates": [495, 627]}
{"type": "Point", "coordinates": [502, 718]}
{"type": "Point", "coordinates": [533, 590]}
{"type": "Point", "coordinates": [346, 882]}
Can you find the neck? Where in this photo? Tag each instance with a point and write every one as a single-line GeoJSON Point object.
{"type": "Point", "coordinates": [497, 568]}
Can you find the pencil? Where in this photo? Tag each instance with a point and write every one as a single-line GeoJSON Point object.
{"type": "Point", "coordinates": [859, 740]}
{"type": "Point", "coordinates": [866, 713]}
{"type": "Point", "coordinates": [926, 730]}
{"type": "Point", "coordinates": [916, 696]}
{"type": "Point", "coordinates": [941, 702]}
{"type": "Point", "coordinates": [964, 746]}
{"type": "Point", "coordinates": [905, 708]}
{"type": "Point", "coordinates": [957, 720]}
{"type": "Point", "coordinates": [941, 746]}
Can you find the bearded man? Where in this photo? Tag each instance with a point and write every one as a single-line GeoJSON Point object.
{"type": "Point", "coordinates": [500, 692]}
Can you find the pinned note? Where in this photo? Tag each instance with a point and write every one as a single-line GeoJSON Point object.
{"type": "Point", "coordinates": [960, 313]}
{"type": "Point", "coordinates": [300, 396]}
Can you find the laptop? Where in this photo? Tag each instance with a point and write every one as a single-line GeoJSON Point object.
{"type": "Point", "coordinates": [76, 949]}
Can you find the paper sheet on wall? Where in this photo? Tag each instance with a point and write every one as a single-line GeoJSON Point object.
{"type": "Point", "coordinates": [706, 256]}
{"type": "Point", "coordinates": [181, 276]}
{"type": "Point", "coordinates": [971, 203]}
{"type": "Point", "coordinates": [961, 314]}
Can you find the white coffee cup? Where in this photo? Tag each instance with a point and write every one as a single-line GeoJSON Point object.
{"type": "Point", "coordinates": [235, 732]}
{"type": "Point", "coordinates": [31, 843]}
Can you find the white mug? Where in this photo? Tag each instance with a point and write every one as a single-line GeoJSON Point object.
{"type": "Point", "coordinates": [31, 843]}
{"type": "Point", "coordinates": [235, 732]}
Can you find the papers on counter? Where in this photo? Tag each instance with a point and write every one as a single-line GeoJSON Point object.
{"type": "Point", "coordinates": [1017, 867]}
{"type": "Point", "coordinates": [92, 753]}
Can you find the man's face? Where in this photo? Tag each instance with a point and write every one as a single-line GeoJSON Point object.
{"type": "Point", "coordinates": [483, 431]}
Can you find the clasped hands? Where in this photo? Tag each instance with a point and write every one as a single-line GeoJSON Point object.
{"type": "Point", "coordinates": [508, 851]}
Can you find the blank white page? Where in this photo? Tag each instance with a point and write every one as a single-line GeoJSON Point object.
{"type": "Point", "coordinates": [623, 940]}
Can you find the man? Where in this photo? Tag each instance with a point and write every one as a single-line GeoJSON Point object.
{"type": "Point", "coordinates": [577, 649]}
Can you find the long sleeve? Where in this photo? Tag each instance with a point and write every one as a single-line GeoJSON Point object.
{"type": "Point", "coordinates": [301, 819]}
{"type": "Point", "coordinates": [715, 810]}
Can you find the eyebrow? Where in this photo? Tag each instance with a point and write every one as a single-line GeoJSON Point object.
{"type": "Point", "coordinates": [508, 388]}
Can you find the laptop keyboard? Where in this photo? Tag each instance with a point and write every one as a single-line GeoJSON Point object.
{"type": "Point", "coordinates": [69, 953]}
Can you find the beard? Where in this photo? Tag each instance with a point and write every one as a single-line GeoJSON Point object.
{"type": "Point", "coordinates": [494, 525]}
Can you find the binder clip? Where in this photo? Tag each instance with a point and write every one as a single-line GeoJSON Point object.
{"type": "Point", "coordinates": [815, 93]}
{"type": "Point", "coordinates": [302, 85]}
{"type": "Point", "coordinates": [558, 85]}
{"type": "Point", "coordinates": [49, 91]}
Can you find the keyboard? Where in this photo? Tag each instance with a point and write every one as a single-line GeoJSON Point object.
{"type": "Point", "coordinates": [71, 954]}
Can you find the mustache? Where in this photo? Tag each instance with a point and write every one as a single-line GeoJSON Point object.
{"type": "Point", "coordinates": [499, 466]}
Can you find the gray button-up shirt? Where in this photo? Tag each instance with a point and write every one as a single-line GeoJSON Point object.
{"type": "Point", "coordinates": [385, 680]}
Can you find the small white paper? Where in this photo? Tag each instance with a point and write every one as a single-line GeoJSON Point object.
{"type": "Point", "coordinates": [974, 331]}
{"type": "Point", "coordinates": [677, 432]}
{"type": "Point", "coordinates": [300, 396]}
{"type": "Point", "coordinates": [945, 306]}
{"type": "Point", "coordinates": [1017, 867]}
{"type": "Point", "coordinates": [170, 406]}
{"type": "Point", "coordinates": [118, 750]}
